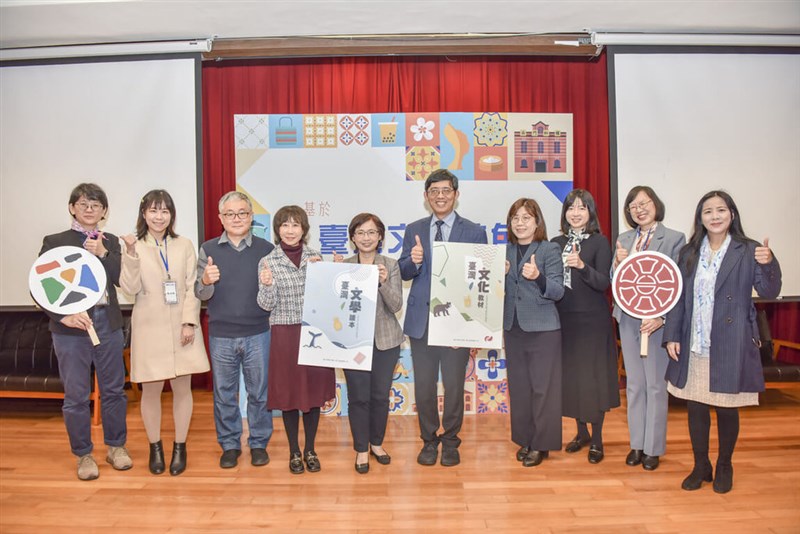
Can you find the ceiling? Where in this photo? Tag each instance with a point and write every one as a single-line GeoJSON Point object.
{"type": "Point", "coordinates": [33, 23]}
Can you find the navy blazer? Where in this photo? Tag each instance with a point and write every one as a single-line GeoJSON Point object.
{"type": "Point", "coordinates": [417, 307]}
{"type": "Point", "coordinates": [535, 312]}
{"type": "Point", "coordinates": [735, 362]}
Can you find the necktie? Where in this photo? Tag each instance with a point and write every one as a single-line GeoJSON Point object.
{"type": "Point", "coordinates": [439, 236]}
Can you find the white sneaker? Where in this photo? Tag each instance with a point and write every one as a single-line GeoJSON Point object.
{"type": "Point", "coordinates": [119, 458]}
{"type": "Point", "coordinates": [87, 468]}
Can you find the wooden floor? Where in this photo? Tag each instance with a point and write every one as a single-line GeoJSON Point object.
{"type": "Point", "coordinates": [488, 492]}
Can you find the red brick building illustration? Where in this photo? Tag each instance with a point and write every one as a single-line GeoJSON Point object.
{"type": "Point", "coordinates": [540, 149]}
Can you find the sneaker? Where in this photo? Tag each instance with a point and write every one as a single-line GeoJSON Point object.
{"type": "Point", "coordinates": [119, 458]}
{"type": "Point", "coordinates": [87, 468]}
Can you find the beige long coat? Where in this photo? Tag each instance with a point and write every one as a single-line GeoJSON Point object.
{"type": "Point", "coordinates": [156, 351]}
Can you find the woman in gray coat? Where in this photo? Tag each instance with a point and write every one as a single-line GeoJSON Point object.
{"type": "Point", "coordinates": [368, 391]}
{"type": "Point", "coordinates": [646, 389]}
{"type": "Point", "coordinates": [711, 334]}
{"type": "Point", "coordinates": [534, 282]}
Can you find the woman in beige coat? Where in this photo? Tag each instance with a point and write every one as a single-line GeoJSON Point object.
{"type": "Point", "coordinates": [159, 269]}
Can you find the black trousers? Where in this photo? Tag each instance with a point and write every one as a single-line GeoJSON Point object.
{"type": "Point", "coordinates": [534, 388]}
{"type": "Point", "coordinates": [368, 398]}
{"type": "Point", "coordinates": [427, 361]}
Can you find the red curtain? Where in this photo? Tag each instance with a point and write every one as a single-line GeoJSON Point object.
{"type": "Point", "coordinates": [409, 84]}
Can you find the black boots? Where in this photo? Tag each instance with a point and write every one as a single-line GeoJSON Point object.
{"type": "Point", "coordinates": [178, 463]}
{"type": "Point", "coordinates": [157, 458]}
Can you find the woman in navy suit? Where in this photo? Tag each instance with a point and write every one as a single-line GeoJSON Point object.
{"type": "Point", "coordinates": [646, 389]}
{"type": "Point", "coordinates": [534, 282]}
{"type": "Point", "coordinates": [711, 334]}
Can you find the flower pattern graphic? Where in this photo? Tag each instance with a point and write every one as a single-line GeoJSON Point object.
{"type": "Point", "coordinates": [492, 397]}
{"type": "Point", "coordinates": [396, 399]}
{"type": "Point", "coordinates": [423, 129]}
{"type": "Point", "coordinates": [492, 365]}
{"type": "Point", "coordinates": [491, 129]}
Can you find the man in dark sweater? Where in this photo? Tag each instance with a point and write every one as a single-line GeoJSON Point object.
{"type": "Point", "coordinates": [238, 329]}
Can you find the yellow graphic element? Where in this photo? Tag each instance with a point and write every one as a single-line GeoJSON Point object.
{"type": "Point", "coordinates": [68, 275]}
{"type": "Point", "coordinates": [460, 143]}
{"type": "Point", "coordinates": [337, 324]}
{"type": "Point", "coordinates": [388, 132]}
{"type": "Point", "coordinates": [490, 163]}
{"type": "Point", "coordinates": [493, 397]}
{"type": "Point", "coordinates": [258, 209]}
{"type": "Point", "coordinates": [319, 131]}
{"type": "Point", "coordinates": [245, 158]}
{"type": "Point", "coordinates": [467, 301]}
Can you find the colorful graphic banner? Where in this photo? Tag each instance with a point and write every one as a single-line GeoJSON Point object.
{"type": "Point", "coordinates": [467, 289]}
{"type": "Point", "coordinates": [339, 315]}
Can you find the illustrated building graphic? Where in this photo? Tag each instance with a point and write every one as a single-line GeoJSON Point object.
{"type": "Point", "coordinates": [540, 149]}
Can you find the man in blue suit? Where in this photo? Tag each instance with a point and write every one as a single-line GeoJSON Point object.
{"type": "Point", "coordinates": [441, 192]}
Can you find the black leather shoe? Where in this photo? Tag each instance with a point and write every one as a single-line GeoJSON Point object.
{"type": "Point", "coordinates": [634, 457]}
{"type": "Point", "coordinates": [534, 458]}
{"type": "Point", "coordinates": [157, 458]}
{"type": "Point", "coordinates": [649, 463]}
{"type": "Point", "coordinates": [596, 455]}
{"type": "Point", "coordinates": [229, 458]}
{"type": "Point", "coordinates": [450, 456]}
{"type": "Point", "coordinates": [362, 469]}
{"type": "Point", "coordinates": [696, 478]}
{"type": "Point", "coordinates": [296, 463]}
{"type": "Point", "coordinates": [383, 459]}
{"type": "Point", "coordinates": [522, 453]}
{"type": "Point", "coordinates": [577, 444]}
{"type": "Point", "coordinates": [428, 454]}
{"type": "Point", "coordinates": [178, 463]}
{"type": "Point", "coordinates": [723, 479]}
{"type": "Point", "coordinates": [259, 457]}
{"type": "Point", "coordinates": [312, 462]}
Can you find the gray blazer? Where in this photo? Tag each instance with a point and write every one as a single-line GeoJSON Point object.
{"type": "Point", "coordinates": [388, 333]}
{"type": "Point", "coordinates": [664, 240]}
{"type": "Point", "coordinates": [535, 312]}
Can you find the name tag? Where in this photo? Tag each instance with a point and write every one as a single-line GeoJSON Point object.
{"type": "Point", "coordinates": [170, 292]}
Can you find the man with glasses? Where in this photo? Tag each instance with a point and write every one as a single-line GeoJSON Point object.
{"type": "Point", "coordinates": [238, 329]}
{"type": "Point", "coordinates": [441, 193]}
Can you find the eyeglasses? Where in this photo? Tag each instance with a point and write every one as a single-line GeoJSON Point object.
{"type": "Point", "coordinates": [230, 215]}
{"type": "Point", "coordinates": [444, 191]}
{"type": "Point", "coordinates": [638, 207]}
{"type": "Point", "coordinates": [367, 233]}
{"type": "Point", "coordinates": [524, 219]}
{"type": "Point", "coordinates": [86, 206]}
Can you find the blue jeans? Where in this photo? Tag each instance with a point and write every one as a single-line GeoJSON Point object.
{"type": "Point", "coordinates": [76, 354]}
{"type": "Point", "coordinates": [229, 356]}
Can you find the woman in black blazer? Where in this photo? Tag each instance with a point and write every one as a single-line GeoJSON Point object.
{"type": "Point", "coordinates": [534, 282]}
{"type": "Point", "coordinates": [711, 334]}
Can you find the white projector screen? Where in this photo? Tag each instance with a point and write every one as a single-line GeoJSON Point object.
{"type": "Point", "coordinates": [688, 123]}
{"type": "Point", "coordinates": [127, 125]}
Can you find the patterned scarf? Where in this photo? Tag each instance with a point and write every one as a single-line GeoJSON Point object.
{"type": "Point", "coordinates": [574, 239]}
{"type": "Point", "coordinates": [90, 234]}
{"type": "Point", "coordinates": [705, 280]}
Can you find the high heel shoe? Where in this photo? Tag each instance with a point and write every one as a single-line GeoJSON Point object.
{"type": "Point", "coordinates": [178, 463]}
{"type": "Point", "coordinates": [157, 458]}
{"type": "Point", "coordinates": [699, 474]}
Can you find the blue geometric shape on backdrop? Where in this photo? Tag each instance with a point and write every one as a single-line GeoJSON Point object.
{"type": "Point", "coordinates": [559, 189]}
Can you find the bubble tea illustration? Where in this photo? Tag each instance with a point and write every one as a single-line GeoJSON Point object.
{"type": "Point", "coordinates": [388, 131]}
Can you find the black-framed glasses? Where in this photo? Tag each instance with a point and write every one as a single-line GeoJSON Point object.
{"type": "Point", "coordinates": [231, 215]}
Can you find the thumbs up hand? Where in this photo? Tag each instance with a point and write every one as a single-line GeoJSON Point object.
{"type": "Point", "coordinates": [337, 258]}
{"type": "Point", "coordinates": [210, 273]}
{"type": "Point", "coordinates": [95, 245]}
{"type": "Point", "coordinates": [530, 270]}
{"type": "Point", "coordinates": [763, 253]}
{"type": "Point", "coordinates": [620, 254]}
{"type": "Point", "coordinates": [416, 251]}
{"type": "Point", "coordinates": [265, 276]}
{"type": "Point", "coordinates": [573, 259]}
{"type": "Point", "coordinates": [130, 244]}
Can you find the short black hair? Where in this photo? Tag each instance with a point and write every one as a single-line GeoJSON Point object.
{"type": "Point", "coordinates": [89, 192]}
{"type": "Point", "coordinates": [593, 226]}
{"type": "Point", "coordinates": [441, 175]}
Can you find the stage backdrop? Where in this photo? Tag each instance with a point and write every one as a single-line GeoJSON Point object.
{"type": "Point", "coordinates": [338, 165]}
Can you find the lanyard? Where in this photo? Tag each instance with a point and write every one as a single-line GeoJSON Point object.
{"type": "Point", "coordinates": [646, 241]}
{"type": "Point", "coordinates": [164, 259]}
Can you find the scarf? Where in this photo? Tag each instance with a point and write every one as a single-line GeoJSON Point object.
{"type": "Point", "coordinates": [574, 238]}
{"type": "Point", "coordinates": [705, 280]}
{"type": "Point", "coordinates": [90, 234]}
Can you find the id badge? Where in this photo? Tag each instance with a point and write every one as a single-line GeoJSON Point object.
{"type": "Point", "coordinates": [170, 292]}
